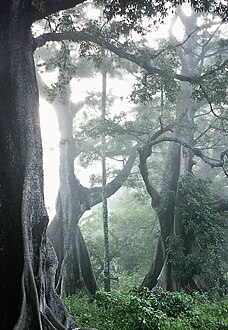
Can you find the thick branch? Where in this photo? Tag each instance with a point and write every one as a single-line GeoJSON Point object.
{"type": "Point", "coordinates": [74, 107]}
{"type": "Point", "coordinates": [196, 151]}
{"type": "Point", "coordinates": [115, 184]}
{"type": "Point", "coordinates": [154, 194]}
{"type": "Point", "coordinates": [79, 36]}
{"type": "Point", "coordinates": [144, 153]}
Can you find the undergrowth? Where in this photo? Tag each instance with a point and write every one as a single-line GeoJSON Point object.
{"type": "Point", "coordinates": [149, 309]}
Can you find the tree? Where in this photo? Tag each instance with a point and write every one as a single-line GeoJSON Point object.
{"type": "Point", "coordinates": [185, 135]}
{"type": "Point", "coordinates": [105, 215]}
{"type": "Point", "coordinates": [28, 263]}
{"type": "Point", "coordinates": [179, 162]}
{"type": "Point", "coordinates": [183, 147]}
{"type": "Point", "coordinates": [74, 272]}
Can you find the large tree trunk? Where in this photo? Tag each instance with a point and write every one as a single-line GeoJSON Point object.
{"type": "Point", "coordinates": [178, 164]}
{"type": "Point", "coordinates": [74, 271]}
{"type": "Point", "coordinates": [160, 268]}
{"type": "Point", "coordinates": [28, 262]}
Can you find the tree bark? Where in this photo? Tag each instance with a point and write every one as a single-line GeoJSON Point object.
{"type": "Point", "coordinates": [165, 209]}
{"type": "Point", "coordinates": [28, 262]}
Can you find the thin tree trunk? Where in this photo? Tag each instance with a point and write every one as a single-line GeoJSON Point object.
{"type": "Point", "coordinates": [104, 182]}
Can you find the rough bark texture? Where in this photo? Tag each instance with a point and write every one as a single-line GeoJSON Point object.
{"type": "Point", "coordinates": [28, 262]}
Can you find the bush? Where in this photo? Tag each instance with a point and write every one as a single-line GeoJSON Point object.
{"type": "Point", "coordinates": [149, 309]}
{"type": "Point", "coordinates": [200, 249]}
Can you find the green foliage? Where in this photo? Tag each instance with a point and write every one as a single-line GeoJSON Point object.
{"type": "Point", "coordinates": [134, 10]}
{"type": "Point", "coordinates": [147, 87]}
{"type": "Point", "coordinates": [213, 88]}
{"type": "Point", "coordinates": [149, 309]}
{"type": "Point", "coordinates": [200, 251]}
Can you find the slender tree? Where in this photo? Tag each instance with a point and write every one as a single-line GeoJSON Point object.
{"type": "Point", "coordinates": [104, 69]}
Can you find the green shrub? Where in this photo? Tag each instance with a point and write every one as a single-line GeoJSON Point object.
{"type": "Point", "coordinates": [205, 231]}
{"type": "Point", "coordinates": [149, 310]}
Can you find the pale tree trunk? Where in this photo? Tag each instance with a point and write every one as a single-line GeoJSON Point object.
{"type": "Point", "coordinates": [74, 271]}
{"type": "Point", "coordinates": [179, 162]}
{"type": "Point", "coordinates": [28, 262]}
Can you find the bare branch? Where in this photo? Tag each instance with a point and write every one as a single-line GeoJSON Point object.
{"type": "Point", "coordinates": [210, 104]}
{"type": "Point", "coordinates": [198, 152]}
{"type": "Point", "coordinates": [76, 107]}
